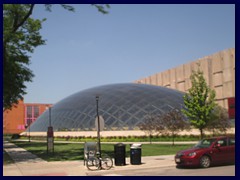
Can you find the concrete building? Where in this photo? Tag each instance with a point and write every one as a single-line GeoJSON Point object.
{"type": "Point", "coordinates": [219, 72]}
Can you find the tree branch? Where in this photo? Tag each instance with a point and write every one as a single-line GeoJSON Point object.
{"type": "Point", "coordinates": [24, 19]}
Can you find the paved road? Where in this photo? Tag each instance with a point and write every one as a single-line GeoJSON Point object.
{"type": "Point", "coordinates": [171, 171]}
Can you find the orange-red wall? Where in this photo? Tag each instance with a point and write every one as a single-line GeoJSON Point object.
{"type": "Point", "coordinates": [14, 120]}
{"type": "Point", "coordinates": [231, 107]}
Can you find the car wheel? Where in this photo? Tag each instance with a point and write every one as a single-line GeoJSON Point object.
{"type": "Point", "coordinates": [205, 162]}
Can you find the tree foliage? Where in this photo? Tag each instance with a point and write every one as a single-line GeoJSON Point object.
{"type": "Point", "coordinates": [149, 125]}
{"type": "Point", "coordinates": [172, 123]}
{"type": "Point", "coordinates": [20, 37]}
{"type": "Point", "coordinates": [219, 122]}
{"type": "Point", "coordinates": [199, 102]}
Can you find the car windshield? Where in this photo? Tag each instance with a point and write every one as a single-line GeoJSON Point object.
{"type": "Point", "coordinates": [205, 143]}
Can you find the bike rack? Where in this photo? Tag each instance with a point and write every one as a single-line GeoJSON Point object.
{"type": "Point", "coordinates": [90, 150]}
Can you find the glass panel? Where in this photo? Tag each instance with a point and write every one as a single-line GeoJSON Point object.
{"type": "Point", "coordinates": [123, 106]}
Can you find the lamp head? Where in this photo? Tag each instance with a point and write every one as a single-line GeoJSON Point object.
{"type": "Point", "coordinates": [97, 97]}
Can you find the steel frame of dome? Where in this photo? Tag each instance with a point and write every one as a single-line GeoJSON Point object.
{"type": "Point", "coordinates": [123, 106]}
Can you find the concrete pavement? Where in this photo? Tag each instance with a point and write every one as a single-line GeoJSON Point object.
{"type": "Point", "coordinates": [27, 164]}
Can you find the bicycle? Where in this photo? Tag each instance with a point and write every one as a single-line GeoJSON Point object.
{"type": "Point", "coordinates": [97, 163]}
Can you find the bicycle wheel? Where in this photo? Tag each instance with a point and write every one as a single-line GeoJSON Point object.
{"type": "Point", "coordinates": [107, 162]}
{"type": "Point", "coordinates": [93, 164]}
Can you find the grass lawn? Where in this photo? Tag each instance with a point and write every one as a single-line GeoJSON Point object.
{"type": "Point", "coordinates": [74, 151]}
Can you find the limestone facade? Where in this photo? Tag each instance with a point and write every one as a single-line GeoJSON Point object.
{"type": "Point", "coordinates": [218, 69]}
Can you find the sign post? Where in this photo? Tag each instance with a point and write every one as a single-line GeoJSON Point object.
{"type": "Point", "coordinates": [50, 140]}
{"type": "Point", "coordinates": [101, 123]}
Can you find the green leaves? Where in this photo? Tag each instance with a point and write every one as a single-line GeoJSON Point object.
{"type": "Point", "coordinates": [20, 37]}
{"type": "Point", "coordinates": [199, 101]}
{"type": "Point", "coordinates": [219, 121]}
{"type": "Point", "coordinates": [102, 8]}
{"type": "Point", "coordinates": [48, 7]}
{"type": "Point", "coordinates": [171, 122]}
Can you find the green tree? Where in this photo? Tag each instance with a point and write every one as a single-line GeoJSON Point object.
{"type": "Point", "coordinates": [20, 37]}
{"type": "Point", "coordinates": [219, 122]}
{"type": "Point", "coordinates": [199, 102]}
{"type": "Point", "coordinates": [149, 126]}
{"type": "Point", "coordinates": [172, 123]}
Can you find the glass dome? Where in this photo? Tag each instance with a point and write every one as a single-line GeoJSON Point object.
{"type": "Point", "coordinates": [122, 106]}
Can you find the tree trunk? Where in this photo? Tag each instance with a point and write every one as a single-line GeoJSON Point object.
{"type": "Point", "coordinates": [173, 139]}
{"type": "Point", "coordinates": [150, 138]}
{"type": "Point", "coordinates": [201, 132]}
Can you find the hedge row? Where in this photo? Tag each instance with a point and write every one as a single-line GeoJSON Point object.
{"type": "Point", "coordinates": [144, 138]}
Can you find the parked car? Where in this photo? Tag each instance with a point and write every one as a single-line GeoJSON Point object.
{"type": "Point", "coordinates": [208, 152]}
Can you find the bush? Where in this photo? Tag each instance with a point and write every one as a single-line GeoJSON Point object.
{"type": "Point", "coordinates": [15, 136]}
{"type": "Point", "coordinates": [67, 138]}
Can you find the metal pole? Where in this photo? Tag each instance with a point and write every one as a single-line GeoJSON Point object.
{"type": "Point", "coordinates": [50, 116]}
{"type": "Point", "coordinates": [29, 140]}
{"type": "Point", "coordinates": [50, 137]}
{"type": "Point", "coordinates": [98, 130]}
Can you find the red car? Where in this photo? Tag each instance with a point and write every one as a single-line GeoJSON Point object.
{"type": "Point", "coordinates": [207, 152]}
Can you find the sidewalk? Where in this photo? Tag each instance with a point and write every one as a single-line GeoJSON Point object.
{"type": "Point", "coordinates": [27, 164]}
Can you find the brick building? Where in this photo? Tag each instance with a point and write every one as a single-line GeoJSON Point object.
{"type": "Point", "coordinates": [21, 115]}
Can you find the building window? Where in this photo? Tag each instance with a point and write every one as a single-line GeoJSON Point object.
{"type": "Point", "coordinates": [29, 111]}
{"type": "Point", "coordinates": [31, 114]}
{"type": "Point", "coordinates": [36, 111]}
{"type": "Point", "coordinates": [29, 121]}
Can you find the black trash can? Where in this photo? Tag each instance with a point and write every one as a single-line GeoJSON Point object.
{"type": "Point", "coordinates": [135, 154]}
{"type": "Point", "coordinates": [120, 154]}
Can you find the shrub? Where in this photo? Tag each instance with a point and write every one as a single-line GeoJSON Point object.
{"type": "Point", "coordinates": [67, 138]}
{"type": "Point", "coordinates": [15, 136]}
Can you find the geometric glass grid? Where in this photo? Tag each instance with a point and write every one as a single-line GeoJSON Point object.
{"type": "Point", "coordinates": [123, 107]}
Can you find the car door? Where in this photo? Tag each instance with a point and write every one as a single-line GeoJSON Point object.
{"type": "Point", "coordinates": [220, 151]}
{"type": "Point", "coordinates": [231, 150]}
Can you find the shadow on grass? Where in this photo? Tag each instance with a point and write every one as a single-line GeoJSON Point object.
{"type": "Point", "coordinates": [75, 151]}
{"type": "Point", "coordinates": [62, 151]}
{"type": "Point", "coordinates": [7, 160]}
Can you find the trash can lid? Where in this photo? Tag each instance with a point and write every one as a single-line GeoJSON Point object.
{"type": "Point", "coordinates": [119, 144]}
{"type": "Point", "coordinates": [136, 145]}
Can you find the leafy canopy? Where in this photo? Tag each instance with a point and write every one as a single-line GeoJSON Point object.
{"type": "Point", "coordinates": [219, 122]}
{"type": "Point", "coordinates": [20, 37]}
{"type": "Point", "coordinates": [199, 101]}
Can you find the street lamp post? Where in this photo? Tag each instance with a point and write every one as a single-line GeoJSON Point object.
{"type": "Point", "coordinates": [50, 136]}
{"type": "Point", "coordinates": [29, 140]}
{"type": "Point", "coordinates": [98, 129]}
{"type": "Point", "coordinates": [50, 117]}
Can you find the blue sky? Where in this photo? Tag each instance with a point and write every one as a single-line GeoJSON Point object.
{"type": "Point", "coordinates": [85, 49]}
